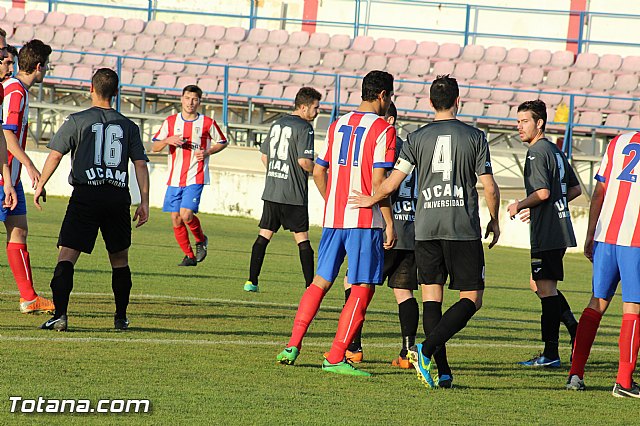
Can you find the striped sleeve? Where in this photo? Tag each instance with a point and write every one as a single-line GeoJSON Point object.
{"type": "Point", "coordinates": [324, 156]}
{"type": "Point", "coordinates": [11, 110]}
{"type": "Point", "coordinates": [216, 134]}
{"type": "Point", "coordinates": [163, 132]}
{"type": "Point", "coordinates": [385, 150]}
{"type": "Point", "coordinates": [605, 166]}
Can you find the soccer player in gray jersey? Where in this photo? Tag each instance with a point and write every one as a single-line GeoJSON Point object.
{"type": "Point", "coordinates": [287, 154]}
{"type": "Point", "coordinates": [449, 157]}
{"type": "Point", "coordinates": [551, 184]}
{"type": "Point", "coordinates": [101, 142]}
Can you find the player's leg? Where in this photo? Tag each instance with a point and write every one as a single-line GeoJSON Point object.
{"type": "Point", "coordinates": [400, 268]}
{"type": "Point", "coordinates": [296, 219]}
{"type": "Point", "coordinates": [62, 284]}
{"type": "Point", "coordinates": [121, 285]}
{"type": "Point", "coordinates": [306, 255]}
{"type": "Point", "coordinates": [366, 259]}
{"type": "Point", "coordinates": [354, 350]}
{"type": "Point", "coordinates": [189, 205]}
{"type": "Point", "coordinates": [566, 316]}
{"type": "Point", "coordinates": [432, 298]}
{"type": "Point", "coordinates": [331, 252]}
{"type": "Point", "coordinates": [172, 200]}
{"type": "Point", "coordinates": [269, 224]}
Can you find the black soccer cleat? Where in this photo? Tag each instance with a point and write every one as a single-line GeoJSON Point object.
{"type": "Point", "coordinates": [201, 249]}
{"type": "Point", "coordinates": [120, 323]}
{"type": "Point", "coordinates": [57, 324]}
{"type": "Point", "coordinates": [620, 392]}
{"type": "Point", "coordinates": [188, 261]}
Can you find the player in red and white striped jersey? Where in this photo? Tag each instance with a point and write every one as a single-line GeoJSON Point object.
{"type": "Point", "coordinates": [33, 61]}
{"type": "Point", "coordinates": [359, 148]}
{"type": "Point", "coordinates": [613, 245]}
{"type": "Point", "coordinates": [9, 199]}
{"type": "Point", "coordinates": [192, 138]}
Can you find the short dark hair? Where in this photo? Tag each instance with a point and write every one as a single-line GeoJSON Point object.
{"type": "Point", "coordinates": [3, 33]}
{"type": "Point", "coordinates": [374, 83]}
{"type": "Point", "coordinates": [443, 92]}
{"type": "Point", "coordinates": [538, 110]}
{"type": "Point", "coordinates": [105, 83]}
{"type": "Point", "coordinates": [33, 53]}
{"type": "Point", "coordinates": [192, 88]}
{"type": "Point", "coordinates": [12, 50]}
{"type": "Point", "coordinates": [306, 96]}
{"type": "Point", "coordinates": [392, 111]}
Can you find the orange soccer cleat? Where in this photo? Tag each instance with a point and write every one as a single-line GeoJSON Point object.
{"type": "Point", "coordinates": [37, 305]}
{"type": "Point", "coordinates": [401, 363]}
{"type": "Point", "coordinates": [353, 357]}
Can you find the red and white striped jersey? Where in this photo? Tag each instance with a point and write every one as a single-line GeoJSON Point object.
{"type": "Point", "coordinates": [198, 134]}
{"type": "Point", "coordinates": [15, 117]}
{"type": "Point", "coordinates": [355, 144]}
{"type": "Point", "coordinates": [618, 221]}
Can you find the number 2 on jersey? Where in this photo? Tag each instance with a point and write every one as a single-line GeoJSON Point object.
{"type": "Point", "coordinates": [626, 174]}
{"type": "Point", "coordinates": [347, 131]}
{"type": "Point", "coordinates": [442, 162]}
{"type": "Point", "coordinates": [111, 152]}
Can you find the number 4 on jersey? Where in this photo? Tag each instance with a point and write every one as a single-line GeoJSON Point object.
{"type": "Point", "coordinates": [442, 162]}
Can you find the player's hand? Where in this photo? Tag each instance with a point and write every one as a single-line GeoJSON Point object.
{"type": "Point", "coordinates": [513, 209]}
{"type": "Point", "coordinates": [493, 227]}
{"type": "Point", "coordinates": [361, 201]}
{"type": "Point", "coordinates": [201, 154]}
{"type": "Point", "coordinates": [175, 140]}
{"type": "Point", "coordinates": [391, 238]}
{"type": "Point", "coordinates": [10, 197]}
{"type": "Point", "coordinates": [525, 215]}
{"type": "Point", "coordinates": [34, 174]}
{"type": "Point", "coordinates": [40, 192]}
{"type": "Point", "coordinates": [588, 249]}
{"type": "Point", "coordinates": [141, 214]}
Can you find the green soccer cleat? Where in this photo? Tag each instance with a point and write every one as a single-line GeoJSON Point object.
{"type": "Point", "coordinates": [343, 367]}
{"type": "Point", "coordinates": [251, 287]}
{"type": "Point", "coordinates": [288, 355]}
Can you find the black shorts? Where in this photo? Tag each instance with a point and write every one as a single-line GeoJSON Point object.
{"type": "Point", "coordinates": [547, 265]}
{"type": "Point", "coordinates": [290, 217]}
{"type": "Point", "coordinates": [90, 208]}
{"type": "Point", "coordinates": [462, 261]}
{"type": "Point", "coordinates": [400, 268]}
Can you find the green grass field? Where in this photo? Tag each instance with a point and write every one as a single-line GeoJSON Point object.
{"type": "Point", "coordinates": [203, 351]}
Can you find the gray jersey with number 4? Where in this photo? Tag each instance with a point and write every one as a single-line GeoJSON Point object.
{"type": "Point", "coordinates": [101, 142]}
{"type": "Point", "coordinates": [290, 138]}
{"type": "Point", "coordinates": [449, 156]}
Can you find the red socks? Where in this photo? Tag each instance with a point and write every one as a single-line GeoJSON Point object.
{"type": "Point", "coordinates": [586, 334]}
{"type": "Point", "coordinates": [20, 265]}
{"type": "Point", "coordinates": [182, 237]}
{"type": "Point", "coordinates": [351, 320]}
{"type": "Point", "coordinates": [196, 229]}
{"type": "Point", "coordinates": [629, 344]}
{"type": "Point", "coordinates": [307, 310]}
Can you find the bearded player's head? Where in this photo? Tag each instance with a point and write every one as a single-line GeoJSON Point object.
{"type": "Point", "coordinates": [190, 100]}
{"type": "Point", "coordinates": [532, 120]}
{"type": "Point", "coordinates": [307, 103]}
{"type": "Point", "coordinates": [377, 90]}
{"type": "Point", "coordinates": [7, 64]}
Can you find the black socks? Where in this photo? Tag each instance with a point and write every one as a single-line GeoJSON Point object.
{"type": "Point", "coordinates": [454, 320]}
{"type": "Point", "coordinates": [409, 317]}
{"type": "Point", "coordinates": [550, 325]}
{"type": "Point", "coordinates": [432, 314]}
{"type": "Point", "coordinates": [306, 260]}
{"type": "Point", "coordinates": [61, 286]}
{"type": "Point", "coordinates": [257, 257]}
{"type": "Point", "coordinates": [121, 286]}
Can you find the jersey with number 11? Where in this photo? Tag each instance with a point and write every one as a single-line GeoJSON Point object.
{"type": "Point", "coordinates": [355, 144]}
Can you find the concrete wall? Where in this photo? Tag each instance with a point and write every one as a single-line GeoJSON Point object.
{"type": "Point", "coordinates": [237, 180]}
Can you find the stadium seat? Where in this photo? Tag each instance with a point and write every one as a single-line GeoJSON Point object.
{"type": "Point", "coordinates": [272, 91]}
{"type": "Point", "coordinates": [526, 93]}
{"type": "Point", "coordinates": [420, 67]}
{"type": "Point", "coordinates": [132, 63]}
{"type": "Point", "coordinates": [586, 61]}
{"type": "Point", "coordinates": [44, 33]}
{"type": "Point", "coordinates": [203, 48]}
{"type": "Point", "coordinates": [630, 64]}
{"type": "Point", "coordinates": [471, 108]}
{"type": "Point", "coordinates": [621, 105]}
{"type": "Point", "coordinates": [186, 80]}
{"type": "Point", "coordinates": [74, 21]}
{"type": "Point", "coordinates": [551, 99]}
{"type": "Point", "coordinates": [298, 39]}
{"type": "Point", "coordinates": [579, 79]}
{"type": "Point", "coordinates": [619, 121]}
{"type": "Point", "coordinates": [259, 72]}
{"type": "Point", "coordinates": [155, 28]}
{"type": "Point", "coordinates": [602, 81]}
{"type": "Point", "coordinates": [517, 56]}
{"type": "Point", "coordinates": [290, 92]}
{"type": "Point", "coordinates": [495, 54]}
{"type": "Point", "coordinates": [142, 78]}
{"type": "Point", "coordinates": [124, 43]}
{"type": "Point", "coordinates": [464, 71]}
{"type": "Point", "coordinates": [62, 38]}
{"type": "Point", "coordinates": [509, 74]}
{"type": "Point", "coordinates": [486, 72]}
{"type": "Point", "coordinates": [463, 88]}
{"type": "Point", "coordinates": [154, 63]}
{"type": "Point", "coordinates": [424, 105]}
{"type": "Point", "coordinates": [405, 47]}
{"type": "Point", "coordinates": [59, 74]}
{"type": "Point", "coordinates": [257, 36]}
{"type": "Point", "coordinates": [34, 17]}
{"type": "Point", "coordinates": [208, 84]}
{"type": "Point", "coordinates": [502, 96]}
{"type": "Point", "coordinates": [126, 76]}
{"type": "Point", "coordinates": [495, 114]}
{"type": "Point", "coordinates": [588, 119]}
{"type": "Point", "coordinates": [410, 89]}
{"type": "Point", "coordinates": [634, 122]}
{"type": "Point", "coordinates": [143, 43]}
{"type": "Point", "coordinates": [234, 34]}
{"type": "Point", "coordinates": [319, 40]}
{"type": "Point", "coordinates": [539, 58]}
{"type": "Point", "coordinates": [384, 46]}
{"type": "Point", "coordinates": [301, 78]}
{"type": "Point", "coordinates": [479, 93]}
{"type": "Point", "coordinates": [133, 26]}
{"type": "Point", "coordinates": [164, 45]}
{"type": "Point", "coordinates": [196, 31]}
{"type": "Point", "coordinates": [216, 68]}
{"type": "Point", "coordinates": [362, 44]}
{"type": "Point", "coordinates": [627, 83]}
{"type": "Point", "coordinates": [102, 41]}
{"type": "Point", "coordinates": [195, 68]}
{"type": "Point", "coordinates": [163, 84]}
{"type": "Point", "coordinates": [113, 24]}
{"type": "Point", "coordinates": [323, 78]}
{"type": "Point", "coordinates": [354, 99]}
{"type": "Point", "coordinates": [441, 68]}
{"type": "Point", "coordinates": [610, 62]}
{"type": "Point", "coordinates": [174, 29]}
{"type": "Point", "coordinates": [71, 58]}
{"type": "Point", "coordinates": [185, 47]}
{"type": "Point", "coordinates": [173, 65]}
{"type": "Point", "coordinates": [289, 55]}
{"type": "Point", "coordinates": [247, 53]}
{"type": "Point", "coordinates": [472, 53]}
{"type": "Point", "coordinates": [331, 96]}
{"type": "Point", "coordinates": [531, 76]}
{"type": "Point", "coordinates": [82, 73]}
{"type": "Point", "coordinates": [398, 65]}
{"type": "Point", "coordinates": [562, 59]}
{"type": "Point", "coordinates": [339, 42]}
{"type": "Point", "coordinates": [333, 59]}
{"type": "Point", "coordinates": [55, 56]}
{"type": "Point", "coordinates": [91, 59]}
{"type": "Point", "coordinates": [94, 23]}
{"type": "Point", "coordinates": [268, 54]}
{"type": "Point", "coordinates": [578, 100]}
{"type": "Point", "coordinates": [23, 34]}
{"type": "Point", "coordinates": [215, 33]}
{"type": "Point", "coordinates": [309, 58]}
{"type": "Point", "coordinates": [279, 74]}
{"type": "Point", "coordinates": [82, 39]}
{"type": "Point", "coordinates": [247, 89]}
{"type": "Point", "coordinates": [227, 51]}
{"type": "Point", "coordinates": [406, 103]}
{"type": "Point", "coordinates": [428, 49]}
{"type": "Point", "coordinates": [375, 62]}
{"type": "Point", "coordinates": [447, 51]}
{"type": "Point", "coordinates": [14, 16]}
{"type": "Point", "coordinates": [353, 62]}
{"type": "Point", "coordinates": [278, 37]}
{"type": "Point", "coordinates": [557, 78]}
{"type": "Point", "coordinates": [597, 101]}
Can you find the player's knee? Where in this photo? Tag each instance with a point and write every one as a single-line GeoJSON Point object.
{"type": "Point", "coordinates": [305, 245]}
{"type": "Point", "coordinates": [186, 216]}
{"type": "Point", "coordinates": [261, 241]}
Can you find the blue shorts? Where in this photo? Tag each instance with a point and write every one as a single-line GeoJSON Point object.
{"type": "Point", "coordinates": [612, 264]}
{"type": "Point", "coordinates": [21, 208]}
{"type": "Point", "coordinates": [182, 197]}
{"type": "Point", "coordinates": [363, 248]}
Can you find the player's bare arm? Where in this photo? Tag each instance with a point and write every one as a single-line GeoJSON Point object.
{"type": "Point", "coordinates": [265, 160]}
{"type": "Point", "coordinates": [201, 154]}
{"type": "Point", "coordinates": [10, 197]}
{"type": "Point", "coordinates": [597, 199]}
{"type": "Point", "coordinates": [574, 192]}
{"type": "Point", "coordinates": [492, 197]}
{"type": "Point", "coordinates": [386, 188]}
{"type": "Point", "coordinates": [16, 150]}
{"type": "Point", "coordinates": [306, 164]}
{"type": "Point", "coordinates": [175, 140]}
{"type": "Point", "coordinates": [50, 166]}
{"type": "Point", "coordinates": [536, 197]}
{"type": "Point", "coordinates": [378, 178]}
{"type": "Point", "coordinates": [320, 176]}
{"type": "Point", "coordinates": [142, 176]}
